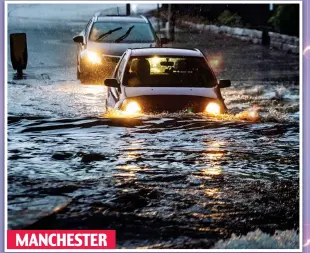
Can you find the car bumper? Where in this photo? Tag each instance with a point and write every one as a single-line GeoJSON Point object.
{"type": "Point", "coordinates": [171, 103]}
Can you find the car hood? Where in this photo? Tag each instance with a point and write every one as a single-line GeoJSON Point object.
{"type": "Point", "coordinates": [115, 49]}
{"type": "Point", "coordinates": [148, 91]}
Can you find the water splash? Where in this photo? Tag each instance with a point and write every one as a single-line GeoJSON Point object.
{"type": "Point", "coordinates": [113, 113]}
{"type": "Point", "coordinates": [252, 114]}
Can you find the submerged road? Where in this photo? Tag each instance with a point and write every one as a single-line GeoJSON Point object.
{"type": "Point", "coordinates": [162, 181]}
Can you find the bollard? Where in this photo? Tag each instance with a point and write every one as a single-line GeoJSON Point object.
{"type": "Point", "coordinates": [19, 54]}
{"type": "Point", "coordinates": [128, 9]}
{"type": "Point", "coordinates": [265, 37]}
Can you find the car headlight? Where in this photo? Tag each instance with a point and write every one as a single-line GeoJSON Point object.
{"type": "Point", "coordinates": [132, 107]}
{"type": "Point", "coordinates": [213, 108]}
{"type": "Point", "coordinates": [93, 57]}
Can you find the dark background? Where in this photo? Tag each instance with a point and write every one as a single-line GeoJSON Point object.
{"type": "Point", "coordinates": [284, 18]}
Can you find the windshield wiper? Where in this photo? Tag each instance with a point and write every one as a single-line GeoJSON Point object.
{"type": "Point", "coordinates": [124, 36]}
{"type": "Point", "coordinates": [101, 36]}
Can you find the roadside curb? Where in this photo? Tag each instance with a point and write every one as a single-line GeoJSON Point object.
{"type": "Point", "coordinates": [289, 44]}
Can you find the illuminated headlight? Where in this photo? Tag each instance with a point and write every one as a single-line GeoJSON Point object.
{"type": "Point", "coordinates": [93, 57]}
{"type": "Point", "coordinates": [213, 108]}
{"type": "Point", "coordinates": [132, 107]}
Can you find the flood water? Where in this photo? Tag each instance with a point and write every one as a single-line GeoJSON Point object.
{"type": "Point", "coordinates": [162, 181]}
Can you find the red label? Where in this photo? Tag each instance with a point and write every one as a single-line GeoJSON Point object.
{"type": "Point", "coordinates": [61, 239]}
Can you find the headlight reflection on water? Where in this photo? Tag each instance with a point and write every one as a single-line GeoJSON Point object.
{"type": "Point", "coordinates": [215, 155]}
{"type": "Point", "coordinates": [213, 192]}
{"type": "Point", "coordinates": [214, 171]}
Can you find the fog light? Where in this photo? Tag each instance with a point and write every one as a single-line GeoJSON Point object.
{"type": "Point", "coordinates": [93, 57]}
{"type": "Point", "coordinates": [133, 107]}
{"type": "Point", "coordinates": [213, 108]}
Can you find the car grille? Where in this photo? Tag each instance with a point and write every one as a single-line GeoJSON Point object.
{"type": "Point", "coordinates": [172, 103]}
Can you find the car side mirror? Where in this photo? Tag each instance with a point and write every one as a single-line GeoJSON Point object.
{"type": "Point", "coordinates": [78, 39]}
{"type": "Point", "coordinates": [111, 82]}
{"type": "Point", "coordinates": [164, 41]}
{"type": "Point", "coordinates": [224, 83]}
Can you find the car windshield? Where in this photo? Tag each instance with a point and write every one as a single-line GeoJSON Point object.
{"type": "Point", "coordinates": [168, 71]}
{"type": "Point", "coordinates": [136, 32]}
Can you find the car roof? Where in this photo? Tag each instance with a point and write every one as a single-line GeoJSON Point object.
{"type": "Point", "coordinates": [131, 19]}
{"type": "Point", "coordinates": [165, 51]}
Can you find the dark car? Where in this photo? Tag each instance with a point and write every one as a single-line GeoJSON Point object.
{"type": "Point", "coordinates": [106, 38]}
{"type": "Point", "coordinates": [165, 79]}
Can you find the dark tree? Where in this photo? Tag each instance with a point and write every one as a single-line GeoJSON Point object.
{"type": "Point", "coordinates": [286, 19]}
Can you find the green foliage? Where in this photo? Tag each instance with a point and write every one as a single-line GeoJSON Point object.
{"type": "Point", "coordinates": [229, 19]}
{"type": "Point", "coordinates": [286, 19]}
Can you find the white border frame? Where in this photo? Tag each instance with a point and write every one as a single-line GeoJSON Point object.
{"type": "Point", "coordinates": [300, 2]}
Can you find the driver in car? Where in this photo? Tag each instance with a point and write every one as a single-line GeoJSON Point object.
{"type": "Point", "coordinates": [140, 72]}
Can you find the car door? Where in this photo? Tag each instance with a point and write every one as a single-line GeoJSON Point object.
{"type": "Point", "coordinates": [114, 93]}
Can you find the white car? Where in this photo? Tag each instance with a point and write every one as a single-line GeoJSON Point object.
{"type": "Point", "coordinates": [152, 80]}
